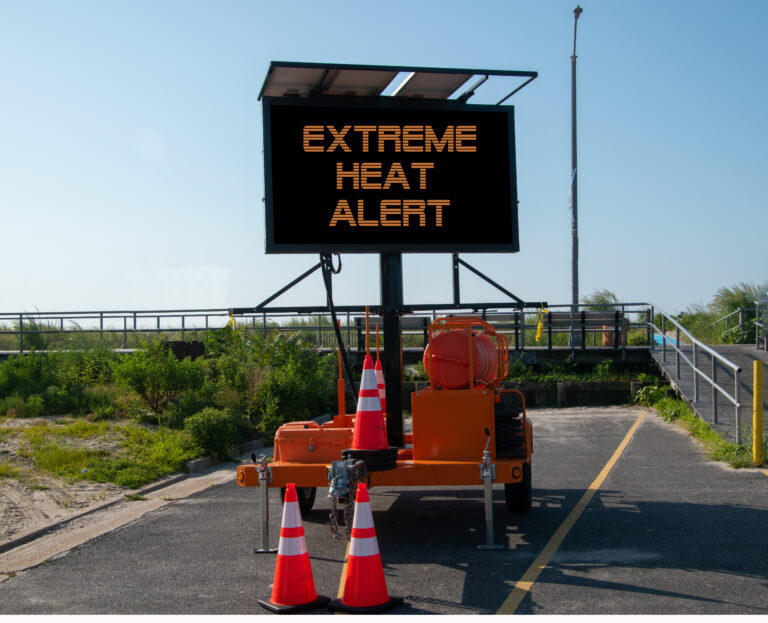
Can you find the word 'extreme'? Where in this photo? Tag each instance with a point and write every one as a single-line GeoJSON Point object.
{"type": "Point", "coordinates": [381, 138]}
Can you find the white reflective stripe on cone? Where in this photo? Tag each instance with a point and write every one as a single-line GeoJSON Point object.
{"type": "Point", "coordinates": [368, 381]}
{"type": "Point", "coordinates": [363, 517]}
{"type": "Point", "coordinates": [291, 515]}
{"type": "Point", "coordinates": [292, 546]}
{"type": "Point", "coordinates": [364, 547]}
{"type": "Point", "coordinates": [368, 403]}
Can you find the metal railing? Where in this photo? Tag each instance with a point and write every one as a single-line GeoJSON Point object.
{"type": "Point", "coordinates": [698, 372]}
{"type": "Point", "coordinates": [760, 308]}
{"type": "Point", "coordinates": [740, 313]}
{"type": "Point", "coordinates": [123, 330]}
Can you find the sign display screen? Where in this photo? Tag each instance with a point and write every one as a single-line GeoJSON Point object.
{"type": "Point", "coordinates": [387, 176]}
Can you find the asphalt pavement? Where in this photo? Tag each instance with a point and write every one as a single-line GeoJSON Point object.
{"type": "Point", "coordinates": [668, 532]}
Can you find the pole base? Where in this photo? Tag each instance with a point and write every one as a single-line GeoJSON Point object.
{"type": "Point", "coordinates": [261, 550]}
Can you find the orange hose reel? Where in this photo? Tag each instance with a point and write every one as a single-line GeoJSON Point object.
{"type": "Point", "coordinates": [465, 352]}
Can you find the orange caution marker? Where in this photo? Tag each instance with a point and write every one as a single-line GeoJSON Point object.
{"type": "Point", "coordinates": [294, 588]}
{"type": "Point", "coordinates": [380, 377]}
{"type": "Point", "coordinates": [365, 589]}
{"type": "Point", "coordinates": [380, 384]}
{"type": "Point", "coordinates": [369, 425]}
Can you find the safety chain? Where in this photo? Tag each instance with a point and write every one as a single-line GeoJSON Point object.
{"type": "Point", "coordinates": [344, 477]}
{"type": "Point", "coordinates": [333, 519]}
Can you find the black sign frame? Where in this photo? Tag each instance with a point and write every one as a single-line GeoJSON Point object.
{"type": "Point", "coordinates": [500, 229]}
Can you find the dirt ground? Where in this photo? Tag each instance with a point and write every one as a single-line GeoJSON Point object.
{"type": "Point", "coordinates": [32, 501]}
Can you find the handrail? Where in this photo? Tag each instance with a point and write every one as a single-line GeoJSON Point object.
{"type": "Point", "coordinates": [697, 346]}
{"type": "Point", "coordinates": [739, 311]}
{"type": "Point", "coordinates": [759, 325]}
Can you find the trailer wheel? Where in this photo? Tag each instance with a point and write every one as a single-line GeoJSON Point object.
{"type": "Point", "coordinates": [518, 494]}
{"type": "Point", "coordinates": [306, 496]}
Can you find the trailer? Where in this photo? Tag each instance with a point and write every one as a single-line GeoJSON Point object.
{"type": "Point", "coordinates": [465, 430]}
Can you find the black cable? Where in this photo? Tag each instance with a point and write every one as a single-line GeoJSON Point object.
{"type": "Point", "coordinates": [326, 263]}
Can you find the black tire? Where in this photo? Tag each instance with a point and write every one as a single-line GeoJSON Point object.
{"type": "Point", "coordinates": [518, 494]}
{"type": "Point", "coordinates": [306, 496]}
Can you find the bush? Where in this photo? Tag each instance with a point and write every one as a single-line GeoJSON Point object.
{"type": "Point", "coordinates": [154, 373]}
{"type": "Point", "coordinates": [17, 407]}
{"type": "Point", "coordinates": [187, 404]}
{"type": "Point", "coordinates": [214, 431]}
{"type": "Point", "coordinates": [270, 378]}
{"type": "Point", "coordinates": [27, 374]}
{"type": "Point", "coordinates": [605, 370]}
{"type": "Point", "coordinates": [102, 401]}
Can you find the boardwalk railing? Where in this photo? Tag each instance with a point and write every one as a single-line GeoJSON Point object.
{"type": "Point", "coordinates": [760, 322]}
{"type": "Point", "coordinates": [730, 321]}
{"type": "Point", "coordinates": [699, 374]}
{"type": "Point", "coordinates": [613, 326]}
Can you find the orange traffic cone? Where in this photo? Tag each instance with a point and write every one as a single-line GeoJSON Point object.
{"type": "Point", "coordinates": [382, 390]}
{"type": "Point", "coordinates": [365, 589]}
{"type": "Point", "coordinates": [294, 588]}
{"type": "Point", "coordinates": [369, 425]}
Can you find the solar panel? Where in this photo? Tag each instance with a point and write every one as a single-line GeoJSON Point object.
{"type": "Point", "coordinates": [287, 79]}
{"type": "Point", "coordinates": [431, 85]}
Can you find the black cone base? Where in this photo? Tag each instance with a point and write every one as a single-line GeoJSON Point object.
{"type": "Point", "coordinates": [393, 602]}
{"type": "Point", "coordinates": [286, 609]}
{"type": "Point", "coordinates": [375, 460]}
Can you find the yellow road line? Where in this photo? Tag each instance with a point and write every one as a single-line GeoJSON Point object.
{"type": "Point", "coordinates": [524, 585]}
{"type": "Point", "coordinates": [340, 592]}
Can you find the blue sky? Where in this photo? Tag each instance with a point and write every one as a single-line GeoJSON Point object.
{"type": "Point", "coordinates": [131, 171]}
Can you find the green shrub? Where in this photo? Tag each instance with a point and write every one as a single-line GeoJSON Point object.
{"type": "Point", "coordinates": [650, 395]}
{"type": "Point", "coordinates": [102, 401]}
{"type": "Point", "coordinates": [270, 378]}
{"type": "Point", "coordinates": [605, 370]}
{"type": "Point", "coordinates": [187, 404]}
{"type": "Point", "coordinates": [17, 407]}
{"type": "Point", "coordinates": [59, 400]}
{"type": "Point", "coordinates": [518, 371]}
{"type": "Point", "coordinates": [214, 431]}
{"type": "Point", "coordinates": [154, 373]}
{"type": "Point", "coordinates": [27, 374]}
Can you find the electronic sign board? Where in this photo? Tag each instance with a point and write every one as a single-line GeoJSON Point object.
{"type": "Point", "coordinates": [376, 176]}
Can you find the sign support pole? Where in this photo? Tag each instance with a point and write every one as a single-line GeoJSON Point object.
{"type": "Point", "coordinates": [391, 306]}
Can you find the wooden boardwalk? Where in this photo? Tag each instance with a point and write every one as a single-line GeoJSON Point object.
{"type": "Point", "coordinates": [711, 405]}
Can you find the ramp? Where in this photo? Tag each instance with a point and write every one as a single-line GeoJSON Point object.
{"type": "Point", "coordinates": [710, 404]}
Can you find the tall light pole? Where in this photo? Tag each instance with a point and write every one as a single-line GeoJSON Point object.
{"type": "Point", "coordinates": [574, 179]}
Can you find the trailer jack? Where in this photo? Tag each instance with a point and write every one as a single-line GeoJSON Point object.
{"type": "Point", "coordinates": [488, 475]}
{"type": "Point", "coordinates": [265, 477]}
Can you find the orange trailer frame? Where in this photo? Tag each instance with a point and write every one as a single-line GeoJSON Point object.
{"type": "Point", "coordinates": [446, 445]}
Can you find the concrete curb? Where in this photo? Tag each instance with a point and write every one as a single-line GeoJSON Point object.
{"type": "Point", "coordinates": [195, 467]}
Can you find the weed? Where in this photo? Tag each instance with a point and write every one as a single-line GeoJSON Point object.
{"type": "Point", "coordinates": [6, 471]}
{"type": "Point", "coordinates": [6, 432]}
{"type": "Point", "coordinates": [674, 410]}
{"type": "Point", "coordinates": [605, 370]}
{"type": "Point", "coordinates": [135, 497]}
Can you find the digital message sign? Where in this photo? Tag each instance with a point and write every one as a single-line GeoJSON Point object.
{"type": "Point", "coordinates": [386, 176]}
